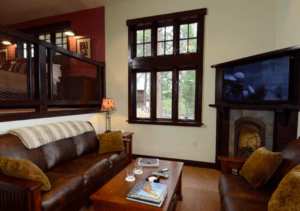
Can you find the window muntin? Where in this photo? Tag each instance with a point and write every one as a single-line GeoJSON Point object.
{"type": "Point", "coordinates": [165, 40]}
{"type": "Point", "coordinates": [164, 94]}
{"type": "Point", "coordinates": [186, 95]}
{"type": "Point", "coordinates": [143, 95]}
{"type": "Point", "coordinates": [188, 38]}
{"type": "Point", "coordinates": [143, 43]}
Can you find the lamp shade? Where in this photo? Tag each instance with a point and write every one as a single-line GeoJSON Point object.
{"type": "Point", "coordinates": [108, 105]}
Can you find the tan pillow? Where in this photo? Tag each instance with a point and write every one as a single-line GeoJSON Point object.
{"type": "Point", "coordinates": [260, 166]}
{"type": "Point", "coordinates": [287, 194]}
{"type": "Point", "coordinates": [24, 169]}
{"type": "Point", "coordinates": [110, 142]}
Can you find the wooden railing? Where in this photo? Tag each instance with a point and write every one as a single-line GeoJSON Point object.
{"type": "Point", "coordinates": [80, 85]}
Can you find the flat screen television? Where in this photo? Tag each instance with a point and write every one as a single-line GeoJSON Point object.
{"type": "Point", "coordinates": [266, 80]}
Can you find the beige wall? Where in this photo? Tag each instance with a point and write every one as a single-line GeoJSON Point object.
{"type": "Point", "coordinates": [287, 23]}
{"type": "Point", "coordinates": [233, 29]}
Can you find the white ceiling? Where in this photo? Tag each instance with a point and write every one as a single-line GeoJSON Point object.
{"type": "Point", "coordinates": [16, 11]}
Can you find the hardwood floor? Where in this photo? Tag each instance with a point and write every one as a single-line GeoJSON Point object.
{"type": "Point", "coordinates": [199, 190]}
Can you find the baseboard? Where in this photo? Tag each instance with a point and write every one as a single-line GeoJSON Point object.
{"type": "Point", "coordinates": [186, 162]}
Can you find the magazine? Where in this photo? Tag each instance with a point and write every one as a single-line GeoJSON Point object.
{"type": "Point", "coordinates": [156, 204]}
{"type": "Point", "coordinates": [148, 191]}
{"type": "Point", "coordinates": [148, 162]}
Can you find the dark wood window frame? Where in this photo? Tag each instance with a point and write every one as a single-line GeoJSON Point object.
{"type": "Point", "coordinates": [175, 62]}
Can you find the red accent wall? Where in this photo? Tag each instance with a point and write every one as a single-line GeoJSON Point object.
{"type": "Point", "coordinates": [86, 23]}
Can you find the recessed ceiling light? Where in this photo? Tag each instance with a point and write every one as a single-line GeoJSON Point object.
{"type": "Point", "coordinates": [5, 42]}
{"type": "Point", "coordinates": [70, 33]}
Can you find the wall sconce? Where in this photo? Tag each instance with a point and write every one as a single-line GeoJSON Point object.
{"type": "Point", "coordinates": [69, 32]}
{"type": "Point", "coordinates": [6, 42]}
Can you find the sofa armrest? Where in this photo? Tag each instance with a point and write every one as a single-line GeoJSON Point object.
{"type": "Point", "coordinates": [20, 192]}
{"type": "Point", "coordinates": [229, 163]}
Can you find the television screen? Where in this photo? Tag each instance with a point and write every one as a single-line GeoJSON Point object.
{"type": "Point", "coordinates": [260, 81]}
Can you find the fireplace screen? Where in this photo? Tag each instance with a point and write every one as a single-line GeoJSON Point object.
{"type": "Point", "coordinates": [250, 135]}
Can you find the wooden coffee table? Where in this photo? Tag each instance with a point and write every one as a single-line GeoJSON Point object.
{"type": "Point", "coordinates": [112, 196]}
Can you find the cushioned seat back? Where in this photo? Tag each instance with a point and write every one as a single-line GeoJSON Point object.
{"type": "Point", "coordinates": [12, 146]}
{"type": "Point", "coordinates": [291, 158]}
{"type": "Point", "coordinates": [86, 143]}
{"type": "Point", "coordinates": [58, 152]}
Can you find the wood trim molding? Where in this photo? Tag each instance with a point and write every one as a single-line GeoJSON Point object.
{"type": "Point", "coordinates": [186, 162]}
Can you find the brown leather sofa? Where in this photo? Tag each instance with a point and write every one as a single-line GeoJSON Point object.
{"type": "Point", "coordinates": [73, 166]}
{"type": "Point", "coordinates": [236, 193]}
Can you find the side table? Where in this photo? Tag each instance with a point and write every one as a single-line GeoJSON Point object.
{"type": "Point", "coordinates": [127, 140]}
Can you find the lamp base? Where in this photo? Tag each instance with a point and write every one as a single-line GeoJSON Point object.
{"type": "Point", "coordinates": [108, 131]}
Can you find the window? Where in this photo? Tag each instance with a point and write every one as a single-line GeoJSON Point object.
{"type": "Point", "coordinates": [188, 38]}
{"type": "Point", "coordinates": [165, 69]}
{"type": "Point", "coordinates": [25, 50]}
{"type": "Point", "coordinates": [61, 40]}
{"type": "Point", "coordinates": [143, 43]}
{"type": "Point", "coordinates": [45, 37]}
{"type": "Point", "coordinates": [165, 40]}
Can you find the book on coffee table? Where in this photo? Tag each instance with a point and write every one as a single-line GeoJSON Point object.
{"type": "Point", "coordinates": [148, 162]}
{"type": "Point", "coordinates": [148, 193]}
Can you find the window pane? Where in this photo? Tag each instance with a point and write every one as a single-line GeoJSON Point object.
{"type": "Point", "coordinates": [160, 48]}
{"type": "Point", "coordinates": [148, 35]}
{"type": "Point", "coordinates": [143, 95]}
{"type": "Point", "coordinates": [140, 50]}
{"type": "Point", "coordinates": [139, 36]}
{"type": "Point", "coordinates": [161, 34]}
{"type": "Point", "coordinates": [147, 50]}
{"type": "Point", "coordinates": [183, 31]}
{"type": "Point", "coordinates": [186, 95]}
{"type": "Point", "coordinates": [164, 95]}
{"type": "Point", "coordinates": [183, 46]}
{"type": "Point", "coordinates": [65, 40]}
{"type": "Point", "coordinates": [193, 30]}
{"type": "Point", "coordinates": [193, 45]}
{"type": "Point", "coordinates": [47, 36]}
{"type": "Point", "coordinates": [57, 35]}
{"type": "Point", "coordinates": [42, 37]}
{"type": "Point", "coordinates": [169, 33]}
{"type": "Point", "coordinates": [169, 47]}
{"type": "Point", "coordinates": [58, 41]}
{"type": "Point", "coordinates": [64, 34]}
{"type": "Point", "coordinates": [65, 46]}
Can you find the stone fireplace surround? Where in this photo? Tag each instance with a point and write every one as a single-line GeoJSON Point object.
{"type": "Point", "coordinates": [261, 121]}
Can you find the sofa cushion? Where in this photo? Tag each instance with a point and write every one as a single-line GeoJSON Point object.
{"type": "Point", "coordinates": [12, 146]}
{"type": "Point", "coordinates": [238, 187]}
{"type": "Point", "coordinates": [64, 188]}
{"type": "Point", "coordinates": [231, 203]}
{"type": "Point", "coordinates": [114, 158]}
{"type": "Point", "coordinates": [89, 169]}
{"type": "Point", "coordinates": [260, 166]}
{"type": "Point", "coordinates": [110, 142]}
{"type": "Point", "coordinates": [24, 169]}
{"type": "Point", "coordinates": [287, 194]}
{"type": "Point", "coordinates": [86, 143]}
{"type": "Point", "coordinates": [58, 152]}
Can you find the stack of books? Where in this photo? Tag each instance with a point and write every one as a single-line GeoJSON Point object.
{"type": "Point", "coordinates": [150, 193]}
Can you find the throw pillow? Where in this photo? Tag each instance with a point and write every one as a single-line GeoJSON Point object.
{"type": "Point", "coordinates": [260, 166]}
{"type": "Point", "coordinates": [287, 194]}
{"type": "Point", "coordinates": [110, 142]}
{"type": "Point", "coordinates": [24, 169]}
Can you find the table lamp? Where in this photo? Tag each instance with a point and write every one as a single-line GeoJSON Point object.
{"type": "Point", "coordinates": [108, 106]}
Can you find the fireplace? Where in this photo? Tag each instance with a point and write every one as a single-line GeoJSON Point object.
{"type": "Point", "coordinates": [249, 135]}
{"type": "Point", "coordinates": [249, 130]}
